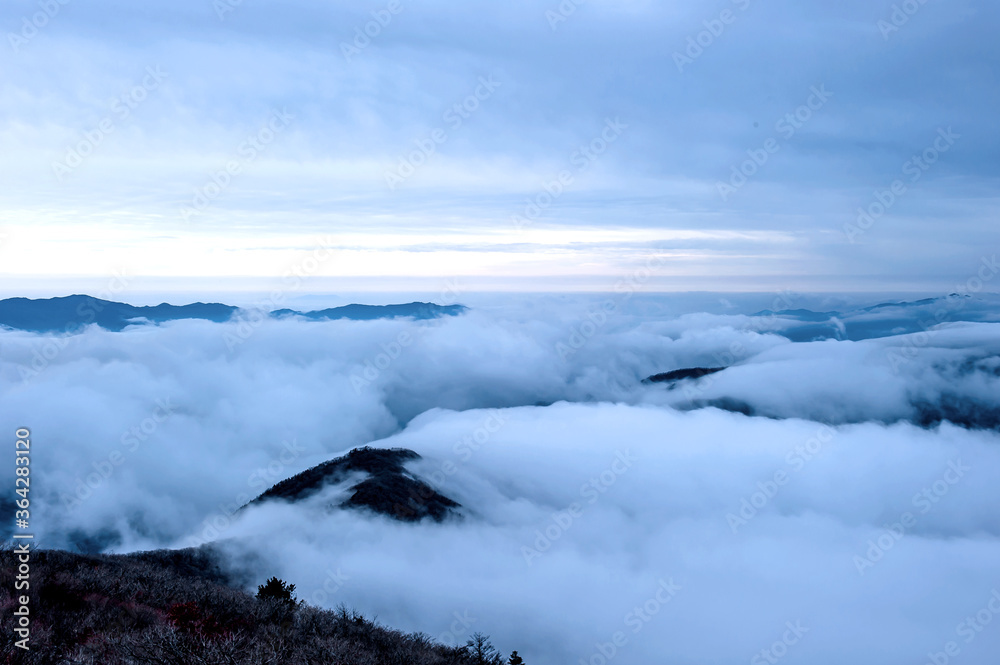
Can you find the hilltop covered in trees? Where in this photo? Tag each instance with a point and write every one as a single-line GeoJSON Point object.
{"type": "Point", "coordinates": [176, 607]}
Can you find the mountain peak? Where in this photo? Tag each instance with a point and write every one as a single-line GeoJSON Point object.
{"type": "Point", "coordinates": [389, 489]}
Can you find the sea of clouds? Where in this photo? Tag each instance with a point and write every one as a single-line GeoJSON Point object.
{"type": "Point", "coordinates": [815, 502]}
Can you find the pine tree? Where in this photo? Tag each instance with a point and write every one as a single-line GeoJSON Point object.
{"type": "Point", "coordinates": [515, 659]}
{"type": "Point", "coordinates": [276, 589]}
{"type": "Point", "coordinates": [482, 650]}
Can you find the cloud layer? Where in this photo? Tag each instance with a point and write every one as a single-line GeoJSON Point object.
{"type": "Point", "coordinates": [826, 527]}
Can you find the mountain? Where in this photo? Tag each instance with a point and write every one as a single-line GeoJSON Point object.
{"type": "Point", "coordinates": [914, 303]}
{"type": "Point", "coordinates": [387, 487]}
{"type": "Point", "coordinates": [881, 320]}
{"type": "Point", "coordinates": [71, 313]}
{"type": "Point", "coordinates": [679, 374]}
{"type": "Point", "coordinates": [416, 310]}
{"type": "Point", "coordinates": [799, 314]}
{"type": "Point", "coordinates": [184, 606]}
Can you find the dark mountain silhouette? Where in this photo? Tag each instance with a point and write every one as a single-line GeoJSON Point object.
{"type": "Point", "coordinates": [959, 410]}
{"type": "Point", "coordinates": [679, 374]}
{"type": "Point", "coordinates": [416, 310]}
{"type": "Point", "coordinates": [389, 489]}
{"type": "Point", "coordinates": [800, 314]}
{"type": "Point", "coordinates": [71, 313]}
{"type": "Point", "coordinates": [913, 303]}
{"type": "Point", "coordinates": [181, 607]}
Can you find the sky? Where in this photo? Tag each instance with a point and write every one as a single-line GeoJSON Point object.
{"type": "Point", "coordinates": [753, 155]}
{"type": "Point", "coordinates": [205, 145]}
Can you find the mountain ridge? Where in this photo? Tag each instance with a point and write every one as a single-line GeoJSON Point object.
{"type": "Point", "coordinates": [70, 314]}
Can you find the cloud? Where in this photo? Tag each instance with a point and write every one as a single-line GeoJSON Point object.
{"type": "Point", "coordinates": [354, 119]}
{"type": "Point", "coordinates": [599, 513]}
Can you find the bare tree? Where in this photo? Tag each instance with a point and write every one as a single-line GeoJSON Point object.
{"type": "Point", "coordinates": [482, 651]}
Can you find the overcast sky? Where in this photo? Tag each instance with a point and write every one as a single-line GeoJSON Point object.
{"type": "Point", "coordinates": [415, 151]}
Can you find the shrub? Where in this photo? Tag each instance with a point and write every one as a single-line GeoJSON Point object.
{"type": "Point", "coordinates": [276, 589]}
{"type": "Point", "coordinates": [159, 608]}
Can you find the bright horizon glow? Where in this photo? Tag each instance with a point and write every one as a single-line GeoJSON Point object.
{"type": "Point", "coordinates": [177, 144]}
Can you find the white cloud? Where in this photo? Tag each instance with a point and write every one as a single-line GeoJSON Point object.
{"type": "Point", "coordinates": [576, 512]}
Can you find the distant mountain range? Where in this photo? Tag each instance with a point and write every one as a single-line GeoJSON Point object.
{"type": "Point", "coordinates": [414, 310]}
{"type": "Point", "coordinates": [881, 320]}
{"type": "Point", "coordinates": [72, 313]}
